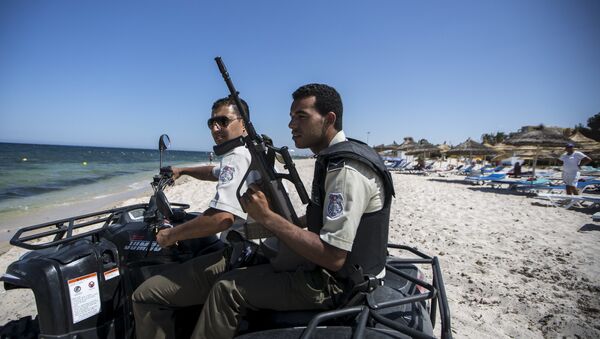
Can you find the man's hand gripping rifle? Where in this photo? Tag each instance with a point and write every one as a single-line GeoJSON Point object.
{"type": "Point", "coordinates": [262, 153]}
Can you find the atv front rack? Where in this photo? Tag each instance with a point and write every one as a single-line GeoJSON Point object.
{"type": "Point", "coordinates": [369, 312]}
{"type": "Point", "coordinates": [62, 230]}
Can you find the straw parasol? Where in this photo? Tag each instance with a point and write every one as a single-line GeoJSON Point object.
{"type": "Point", "coordinates": [470, 148]}
{"type": "Point", "coordinates": [502, 148]}
{"type": "Point", "coordinates": [540, 137]}
{"type": "Point", "coordinates": [408, 144]}
{"type": "Point", "coordinates": [444, 147]}
{"type": "Point", "coordinates": [391, 147]}
{"type": "Point", "coordinates": [379, 148]}
{"type": "Point", "coordinates": [586, 144]}
{"type": "Point", "coordinates": [423, 146]}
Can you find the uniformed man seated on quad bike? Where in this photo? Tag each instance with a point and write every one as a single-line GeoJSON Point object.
{"type": "Point", "coordinates": [347, 226]}
{"type": "Point", "coordinates": [189, 283]}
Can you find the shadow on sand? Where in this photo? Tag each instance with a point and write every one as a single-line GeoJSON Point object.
{"type": "Point", "coordinates": [589, 227]}
{"type": "Point", "coordinates": [451, 181]}
{"type": "Point", "coordinates": [501, 191]}
{"type": "Point", "coordinates": [541, 204]}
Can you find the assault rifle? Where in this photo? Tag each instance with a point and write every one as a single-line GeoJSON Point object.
{"type": "Point", "coordinates": [263, 154]}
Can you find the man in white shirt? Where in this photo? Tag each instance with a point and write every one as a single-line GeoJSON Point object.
{"type": "Point", "coordinates": [572, 162]}
{"type": "Point", "coordinates": [189, 283]}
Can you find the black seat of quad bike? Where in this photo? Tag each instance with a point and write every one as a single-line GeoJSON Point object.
{"type": "Point", "coordinates": [267, 319]}
{"type": "Point", "coordinates": [281, 319]}
{"type": "Point", "coordinates": [413, 314]}
{"type": "Point", "coordinates": [269, 324]}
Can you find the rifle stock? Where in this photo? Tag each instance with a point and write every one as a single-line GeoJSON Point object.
{"type": "Point", "coordinates": [271, 182]}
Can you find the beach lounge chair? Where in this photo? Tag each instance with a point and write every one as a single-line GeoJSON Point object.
{"type": "Point", "coordinates": [582, 186]}
{"type": "Point", "coordinates": [482, 179]}
{"type": "Point", "coordinates": [488, 170]}
{"type": "Point", "coordinates": [567, 201]}
{"type": "Point", "coordinates": [520, 185]}
{"type": "Point", "coordinates": [448, 170]}
{"type": "Point", "coordinates": [590, 170]}
{"type": "Point", "coordinates": [427, 169]}
{"type": "Point", "coordinates": [466, 170]}
{"type": "Point", "coordinates": [396, 164]}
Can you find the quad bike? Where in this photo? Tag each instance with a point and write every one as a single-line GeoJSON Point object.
{"type": "Point", "coordinates": [83, 270]}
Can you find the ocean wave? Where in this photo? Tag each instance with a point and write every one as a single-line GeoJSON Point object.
{"type": "Point", "coordinates": [13, 192]}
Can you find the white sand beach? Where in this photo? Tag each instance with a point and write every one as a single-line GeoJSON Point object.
{"type": "Point", "coordinates": [513, 267]}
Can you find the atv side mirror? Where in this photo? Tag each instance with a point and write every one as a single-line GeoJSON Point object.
{"type": "Point", "coordinates": [164, 142]}
{"type": "Point", "coordinates": [162, 203]}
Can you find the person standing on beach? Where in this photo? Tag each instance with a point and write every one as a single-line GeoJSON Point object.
{"type": "Point", "coordinates": [572, 161]}
{"type": "Point", "coordinates": [188, 283]}
{"type": "Point", "coordinates": [347, 225]}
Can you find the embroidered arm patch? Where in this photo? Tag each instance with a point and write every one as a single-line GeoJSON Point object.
{"type": "Point", "coordinates": [226, 174]}
{"type": "Point", "coordinates": [335, 205]}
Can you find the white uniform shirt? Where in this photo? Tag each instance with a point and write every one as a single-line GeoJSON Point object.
{"type": "Point", "coordinates": [571, 162]}
{"type": "Point", "coordinates": [232, 168]}
{"type": "Point", "coordinates": [350, 192]}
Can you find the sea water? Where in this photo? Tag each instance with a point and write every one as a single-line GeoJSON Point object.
{"type": "Point", "coordinates": [38, 179]}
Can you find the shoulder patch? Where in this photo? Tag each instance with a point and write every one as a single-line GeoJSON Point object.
{"type": "Point", "coordinates": [335, 165]}
{"type": "Point", "coordinates": [226, 174]}
{"type": "Point", "coordinates": [335, 205]}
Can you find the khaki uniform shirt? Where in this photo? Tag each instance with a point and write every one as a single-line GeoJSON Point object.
{"type": "Point", "coordinates": [351, 190]}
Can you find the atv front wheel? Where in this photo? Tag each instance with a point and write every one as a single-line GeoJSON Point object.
{"type": "Point", "coordinates": [23, 328]}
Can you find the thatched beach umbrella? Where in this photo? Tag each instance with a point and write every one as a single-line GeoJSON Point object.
{"type": "Point", "coordinates": [540, 137]}
{"type": "Point", "coordinates": [423, 146]}
{"type": "Point", "coordinates": [407, 145]}
{"type": "Point", "coordinates": [444, 147]}
{"type": "Point", "coordinates": [470, 148]}
{"type": "Point", "coordinates": [391, 147]}
{"type": "Point", "coordinates": [503, 148]}
{"type": "Point", "coordinates": [502, 151]}
{"type": "Point", "coordinates": [379, 148]}
{"type": "Point", "coordinates": [586, 144]}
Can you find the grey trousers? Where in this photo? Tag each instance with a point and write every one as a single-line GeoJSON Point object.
{"type": "Point", "coordinates": [227, 296]}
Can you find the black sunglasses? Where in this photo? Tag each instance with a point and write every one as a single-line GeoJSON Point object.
{"type": "Point", "coordinates": [221, 120]}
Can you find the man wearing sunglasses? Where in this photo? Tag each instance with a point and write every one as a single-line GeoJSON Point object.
{"type": "Point", "coordinates": [189, 283]}
{"type": "Point", "coordinates": [347, 226]}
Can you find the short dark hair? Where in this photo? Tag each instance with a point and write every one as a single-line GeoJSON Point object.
{"type": "Point", "coordinates": [229, 101]}
{"type": "Point", "coordinates": [327, 100]}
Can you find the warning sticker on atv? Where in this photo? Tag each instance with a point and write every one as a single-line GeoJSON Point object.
{"type": "Point", "coordinates": [84, 293]}
{"type": "Point", "coordinates": [111, 273]}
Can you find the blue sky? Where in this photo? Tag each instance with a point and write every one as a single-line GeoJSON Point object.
{"type": "Point", "coordinates": [120, 73]}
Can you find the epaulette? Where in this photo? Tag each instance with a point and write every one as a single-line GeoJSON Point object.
{"type": "Point", "coordinates": [335, 165]}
